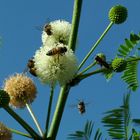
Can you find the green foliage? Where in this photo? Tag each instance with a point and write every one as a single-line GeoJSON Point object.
{"type": "Point", "coordinates": [119, 64]}
{"type": "Point", "coordinates": [86, 133]}
{"type": "Point", "coordinates": [130, 74]}
{"type": "Point", "coordinates": [118, 120]}
{"type": "Point", "coordinates": [125, 49]}
{"type": "Point", "coordinates": [83, 135]}
{"type": "Point", "coordinates": [135, 134]}
{"type": "Point", "coordinates": [108, 73]}
{"type": "Point", "coordinates": [98, 135]}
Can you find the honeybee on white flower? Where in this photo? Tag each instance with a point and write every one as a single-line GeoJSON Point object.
{"type": "Point", "coordinates": [59, 51]}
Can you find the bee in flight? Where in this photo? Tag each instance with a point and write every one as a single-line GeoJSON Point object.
{"type": "Point", "coordinates": [57, 51]}
{"type": "Point", "coordinates": [102, 62]}
{"type": "Point", "coordinates": [31, 67]}
{"type": "Point", "coordinates": [81, 106]}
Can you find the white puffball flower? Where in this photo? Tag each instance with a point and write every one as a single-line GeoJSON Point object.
{"type": "Point", "coordinates": [55, 68]}
{"type": "Point", "coordinates": [59, 32]}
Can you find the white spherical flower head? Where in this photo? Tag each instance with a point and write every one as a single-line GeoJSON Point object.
{"type": "Point", "coordinates": [58, 31]}
{"type": "Point", "coordinates": [52, 68]}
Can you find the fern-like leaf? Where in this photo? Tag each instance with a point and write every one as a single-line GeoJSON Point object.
{"type": "Point", "coordinates": [135, 135]}
{"type": "Point", "coordinates": [130, 75]}
{"type": "Point", "coordinates": [86, 133]}
{"type": "Point", "coordinates": [118, 120]}
{"type": "Point", "coordinates": [83, 135]}
{"type": "Point", "coordinates": [97, 135]}
{"type": "Point", "coordinates": [108, 74]}
{"type": "Point", "coordinates": [125, 49]}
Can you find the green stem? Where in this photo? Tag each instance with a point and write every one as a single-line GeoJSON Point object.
{"type": "Point", "coordinates": [22, 122]}
{"type": "Point", "coordinates": [75, 23]}
{"type": "Point", "coordinates": [49, 111]}
{"type": "Point", "coordinates": [95, 45]}
{"type": "Point", "coordinates": [91, 73]}
{"type": "Point", "coordinates": [20, 133]}
{"type": "Point", "coordinates": [87, 68]}
{"type": "Point", "coordinates": [34, 119]}
{"type": "Point", "coordinates": [65, 89]}
{"type": "Point", "coordinates": [58, 112]}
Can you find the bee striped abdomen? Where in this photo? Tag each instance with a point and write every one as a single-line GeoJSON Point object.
{"type": "Point", "coordinates": [49, 53]}
{"type": "Point", "coordinates": [57, 50]}
{"type": "Point", "coordinates": [31, 67]}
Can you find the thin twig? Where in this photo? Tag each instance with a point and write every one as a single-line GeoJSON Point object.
{"type": "Point", "coordinates": [49, 110]}
{"type": "Point", "coordinates": [34, 119]}
{"type": "Point", "coordinates": [95, 45]}
{"type": "Point", "coordinates": [20, 133]}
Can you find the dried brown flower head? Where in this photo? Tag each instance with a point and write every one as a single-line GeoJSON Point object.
{"type": "Point", "coordinates": [5, 133]}
{"type": "Point", "coordinates": [21, 90]}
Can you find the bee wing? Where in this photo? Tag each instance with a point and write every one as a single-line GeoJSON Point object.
{"type": "Point", "coordinates": [87, 103]}
{"type": "Point", "coordinates": [39, 28]}
{"type": "Point", "coordinates": [25, 70]}
{"type": "Point", "coordinates": [73, 106]}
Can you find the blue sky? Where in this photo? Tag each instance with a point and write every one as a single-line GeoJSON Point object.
{"type": "Point", "coordinates": [18, 22]}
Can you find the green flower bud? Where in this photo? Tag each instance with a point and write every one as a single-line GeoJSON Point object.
{"type": "Point", "coordinates": [102, 56]}
{"type": "Point", "coordinates": [119, 64]}
{"type": "Point", "coordinates": [4, 98]}
{"type": "Point", "coordinates": [118, 14]}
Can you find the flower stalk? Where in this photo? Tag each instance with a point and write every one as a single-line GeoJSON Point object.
{"type": "Point", "coordinates": [87, 68]}
{"type": "Point", "coordinates": [96, 44]}
{"type": "Point", "coordinates": [91, 73]}
{"type": "Point", "coordinates": [22, 122]}
{"type": "Point", "coordinates": [34, 119]}
{"type": "Point", "coordinates": [66, 88]}
{"type": "Point", "coordinates": [58, 112]}
{"type": "Point", "coordinates": [49, 111]}
{"type": "Point", "coordinates": [20, 133]}
{"type": "Point", "coordinates": [75, 24]}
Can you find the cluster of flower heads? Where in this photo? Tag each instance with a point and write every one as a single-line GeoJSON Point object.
{"type": "Point", "coordinates": [54, 61]}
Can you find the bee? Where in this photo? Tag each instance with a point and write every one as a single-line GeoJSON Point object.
{"type": "Point", "coordinates": [57, 51]}
{"type": "Point", "coordinates": [48, 29]}
{"type": "Point", "coordinates": [81, 107]}
{"type": "Point", "coordinates": [31, 67]}
{"type": "Point", "coordinates": [102, 62]}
